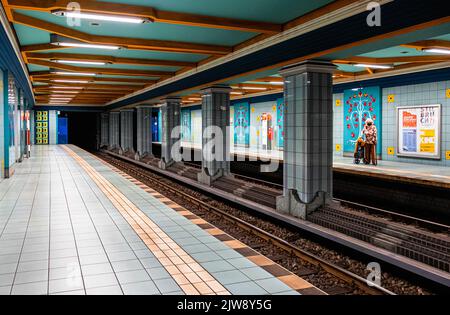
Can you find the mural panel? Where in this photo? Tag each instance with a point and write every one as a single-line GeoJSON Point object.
{"type": "Point", "coordinates": [242, 124]}
{"type": "Point", "coordinates": [360, 105]}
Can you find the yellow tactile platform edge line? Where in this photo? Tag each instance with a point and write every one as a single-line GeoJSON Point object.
{"type": "Point", "coordinates": [290, 279]}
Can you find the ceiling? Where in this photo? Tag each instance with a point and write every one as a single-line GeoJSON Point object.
{"type": "Point", "coordinates": [182, 36]}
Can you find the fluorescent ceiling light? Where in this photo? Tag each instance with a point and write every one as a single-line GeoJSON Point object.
{"type": "Point", "coordinates": [93, 63]}
{"type": "Point", "coordinates": [373, 66]}
{"type": "Point", "coordinates": [276, 83]}
{"type": "Point", "coordinates": [249, 88]}
{"type": "Point", "coordinates": [437, 51]}
{"type": "Point", "coordinates": [81, 45]}
{"type": "Point", "coordinates": [236, 93]}
{"type": "Point", "coordinates": [102, 17]}
{"type": "Point", "coordinates": [195, 98]}
{"type": "Point", "coordinates": [67, 87]}
{"type": "Point", "coordinates": [74, 73]}
{"type": "Point", "coordinates": [70, 81]}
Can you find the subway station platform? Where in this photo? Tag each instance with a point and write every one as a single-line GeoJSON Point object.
{"type": "Point", "coordinates": [430, 175]}
{"type": "Point", "coordinates": [72, 224]}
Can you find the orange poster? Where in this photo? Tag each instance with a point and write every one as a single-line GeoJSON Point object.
{"type": "Point", "coordinates": [409, 120]}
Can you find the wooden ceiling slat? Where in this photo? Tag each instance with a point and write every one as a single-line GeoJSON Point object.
{"type": "Point", "coordinates": [110, 59]}
{"type": "Point", "coordinates": [112, 71]}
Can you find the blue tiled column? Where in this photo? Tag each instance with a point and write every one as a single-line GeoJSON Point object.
{"type": "Point", "coordinates": [308, 144]}
{"type": "Point", "coordinates": [114, 130]}
{"type": "Point", "coordinates": [144, 131]}
{"type": "Point", "coordinates": [215, 113]}
{"type": "Point", "coordinates": [170, 116]}
{"type": "Point", "coordinates": [104, 129]}
{"type": "Point", "coordinates": [126, 130]}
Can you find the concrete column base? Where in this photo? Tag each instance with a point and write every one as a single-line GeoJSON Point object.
{"type": "Point", "coordinates": [206, 179]}
{"type": "Point", "coordinates": [164, 165]}
{"type": "Point", "coordinates": [291, 204]}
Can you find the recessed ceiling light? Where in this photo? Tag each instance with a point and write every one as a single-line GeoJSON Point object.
{"type": "Point", "coordinates": [374, 66]}
{"type": "Point", "coordinates": [74, 73]}
{"type": "Point", "coordinates": [67, 87]}
{"type": "Point", "coordinates": [93, 63]}
{"type": "Point", "coordinates": [102, 17]}
{"type": "Point", "coordinates": [250, 88]}
{"type": "Point", "coordinates": [81, 45]}
{"type": "Point", "coordinates": [70, 81]}
{"type": "Point", "coordinates": [437, 51]}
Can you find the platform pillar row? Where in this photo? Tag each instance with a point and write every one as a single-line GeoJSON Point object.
{"type": "Point", "coordinates": [308, 143]}
{"type": "Point", "coordinates": [126, 130]}
{"type": "Point", "coordinates": [144, 135]}
{"type": "Point", "coordinates": [171, 130]}
{"type": "Point", "coordinates": [215, 139]}
{"type": "Point", "coordinates": [104, 130]}
{"type": "Point", "coordinates": [114, 130]}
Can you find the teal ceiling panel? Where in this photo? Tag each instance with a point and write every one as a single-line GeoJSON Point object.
{"type": "Point", "coordinates": [29, 35]}
{"type": "Point", "coordinates": [157, 31]}
{"type": "Point", "coordinates": [275, 11]}
{"type": "Point", "coordinates": [34, 68]}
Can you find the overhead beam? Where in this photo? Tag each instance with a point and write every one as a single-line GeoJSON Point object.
{"type": "Point", "coordinates": [389, 60]}
{"type": "Point", "coordinates": [116, 87]}
{"type": "Point", "coordinates": [110, 59]}
{"type": "Point", "coordinates": [151, 13]}
{"type": "Point", "coordinates": [432, 43]}
{"type": "Point", "coordinates": [112, 71]}
{"type": "Point", "coordinates": [40, 47]}
{"type": "Point", "coordinates": [49, 76]}
{"type": "Point", "coordinates": [131, 43]}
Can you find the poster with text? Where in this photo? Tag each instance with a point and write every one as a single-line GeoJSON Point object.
{"type": "Point", "coordinates": [419, 131]}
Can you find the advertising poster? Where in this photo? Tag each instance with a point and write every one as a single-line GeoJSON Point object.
{"type": "Point", "coordinates": [419, 131]}
{"type": "Point", "coordinates": [242, 124]}
{"type": "Point", "coordinates": [186, 125]}
{"type": "Point", "coordinates": [280, 122]}
{"type": "Point", "coordinates": [359, 105]}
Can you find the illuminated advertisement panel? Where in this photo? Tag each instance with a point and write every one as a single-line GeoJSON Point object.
{"type": "Point", "coordinates": [419, 130]}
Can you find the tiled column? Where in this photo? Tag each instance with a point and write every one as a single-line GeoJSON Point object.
{"type": "Point", "coordinates": [216, 114]}
{"type": "Point", "coordinates": [144, 131]}
{"type": "Point", "coordinates": [170, 112]}
{"type": "Point", "coordinates": [126, 130]}
{"type": "Point", "coordinates": [114, 130]}
{"type": "Point", "coordinates": [308, 144]}
{"type": "Point", "coordinates": [104, 130]}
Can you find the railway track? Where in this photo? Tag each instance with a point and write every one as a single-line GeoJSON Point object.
{"type": "Point", "coordinates": [315, 265]}
{"type": "Point", "coordinates": [421, 240]}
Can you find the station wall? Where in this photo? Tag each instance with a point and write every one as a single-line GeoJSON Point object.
{"type": "Point", "coordinates": [402, 96]}
{"type": "Point", "coordinates": [382, 103]}
{"type": "Point", "coordinates": [14, 124]}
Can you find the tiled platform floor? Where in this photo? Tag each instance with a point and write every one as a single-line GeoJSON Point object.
{"type": "Point", "coordinates": [437, 175]}
{"type": "Point", "coordinates": [70, 224]}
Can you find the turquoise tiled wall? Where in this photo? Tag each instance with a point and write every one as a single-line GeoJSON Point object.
{"type": "Point", "coordinates": [338, 125]}
{"type": "Point", "coordinates": [420, 94]}
{"type": "Point", "coordinates": [408, 95]}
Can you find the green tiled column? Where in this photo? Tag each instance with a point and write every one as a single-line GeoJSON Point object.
{"type": "Point", "coordinates": [308, 144]}
{"type": "Point", "coordinates": [144, 131]}
{"type": "Point", "coordinates": [170, 112]}
{"type": "Point", "coordinates": [114, 130]}
{"type": "Point", "coordinates": [126, 130]}
{"type": "Point", "coordinates": [104, 129]}
{"type": "Point", "coordinates": [216, 114]}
